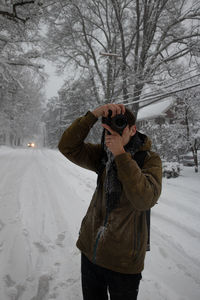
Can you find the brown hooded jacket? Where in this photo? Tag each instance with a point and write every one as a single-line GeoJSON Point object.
{"type": "Point", "coordinates": [116, 241]}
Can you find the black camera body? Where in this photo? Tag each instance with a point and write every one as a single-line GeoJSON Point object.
{"type": "Point", "coordinates": [117, 123]}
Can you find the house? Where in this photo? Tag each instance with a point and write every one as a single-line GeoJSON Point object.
{"type": "Point", "coordinates": [160, 112]}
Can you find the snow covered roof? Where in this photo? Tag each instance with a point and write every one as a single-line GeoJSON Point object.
{"type": "Point", "coordinates": [154, 110]}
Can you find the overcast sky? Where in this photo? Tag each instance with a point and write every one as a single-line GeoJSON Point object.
{"type": "Point", "coordinates": [54, 82]}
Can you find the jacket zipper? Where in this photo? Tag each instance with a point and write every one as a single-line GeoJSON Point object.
{"type": "Point", "coordinates": [98, 238]}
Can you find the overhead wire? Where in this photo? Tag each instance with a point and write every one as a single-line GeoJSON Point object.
{"type": "Point", "coordinates": [120, 99]}
{"type": "Point", "coordinates": [155, 96]}
{"type": "Point", "coordinates": [150, 94]}
{"type": "Point", "coordinates": [131, 75]}
{"type": "Point", "coordinates": [155, 99]}
{"type": "Point", "coordinates": [162, 96]}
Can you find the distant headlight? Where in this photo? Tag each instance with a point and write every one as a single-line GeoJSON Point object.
{"type": "Point", "coordinates": [31, 145]}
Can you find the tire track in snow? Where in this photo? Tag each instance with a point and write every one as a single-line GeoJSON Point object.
{"type": "Point", "coordinates": [60, 257]}
{"type": "Point", "coordinates": [178, 190]}
{"type": "Point", "coordinates": [190, 231]}
{"type": "Point", "coordinates": [14, 242]}
{"type": "Point", "coordinates": [88, 179]}
{"type": "Point", "coordinates": [173, 251]}
{"type": "Point", "coordinates": [187, 209]}
{"type": "Point", "coordinates": [50, 192]}
{"type": "Point", "coordinates": [185, 187]}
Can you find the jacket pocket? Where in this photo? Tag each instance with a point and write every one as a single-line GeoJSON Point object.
{"type": "Point", "coordinates": [118, 240]}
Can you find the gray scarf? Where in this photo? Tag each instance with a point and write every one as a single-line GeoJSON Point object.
{"type": "Point", "coordinates": [112, 185]}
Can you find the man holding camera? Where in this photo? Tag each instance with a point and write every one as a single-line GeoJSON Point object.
{"type": "Point", "coordinates": [114, 234]}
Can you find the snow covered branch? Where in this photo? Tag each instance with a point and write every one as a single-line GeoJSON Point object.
{"type": "Point", "coordinates": [11, 11]}
{"type": "Point", "coordinates": [24, 62]}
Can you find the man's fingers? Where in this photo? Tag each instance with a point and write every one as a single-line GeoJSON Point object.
{"type": "Point", "coordinates": [123, 109]}
{"type": "Point", "coordinates": [105, 112]}
{"type": "Point", "coordinates": [115, 108]}
{"type": "Point", "coordinates": [119, 111]}
{"type": "Point", "coordinates": [109, 129]}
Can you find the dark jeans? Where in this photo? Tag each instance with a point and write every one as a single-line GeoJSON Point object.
{"type": "Point", "coordinates": [97, 280]}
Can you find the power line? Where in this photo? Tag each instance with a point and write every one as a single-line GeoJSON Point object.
{"type": "Point", "coordinates": [156, 98]}
{"type": "Point", "coordinates": [150, 95]}
{"type": "Point", "coordinates": [163, 96]}
{"type": "Point", "coordinates": [121, 98]}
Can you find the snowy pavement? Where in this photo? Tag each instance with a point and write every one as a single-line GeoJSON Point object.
{"type": "Point", "coordinates": [43, 198]}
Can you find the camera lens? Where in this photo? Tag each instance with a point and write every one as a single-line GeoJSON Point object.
{"type": "Point", "coordinates": [120, 121]}
{"type": "Point", "coordinates": [117, 123]}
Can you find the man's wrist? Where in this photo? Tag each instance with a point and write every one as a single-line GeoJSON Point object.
{"type": "Point", "coordinates": [95, 114]}
{"type": "Point", "coordinates": [119, 152]}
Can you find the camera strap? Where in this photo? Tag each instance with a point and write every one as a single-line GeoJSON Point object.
{"type": "Point", "coordinates": [139, 157]}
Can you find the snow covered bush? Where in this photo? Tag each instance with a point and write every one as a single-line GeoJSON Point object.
{"type": "Point", "coordinates": [171, 169]}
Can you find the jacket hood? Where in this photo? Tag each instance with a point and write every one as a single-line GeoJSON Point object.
{"type": "Point", "coordinates": [146, 142]}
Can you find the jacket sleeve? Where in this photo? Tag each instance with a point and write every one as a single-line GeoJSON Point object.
{"type": "Point", "coordinates": [72, 144]}
{"type": "Point", "coordinates": [142, 187]}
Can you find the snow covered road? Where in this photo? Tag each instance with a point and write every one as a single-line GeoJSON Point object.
{"type": "Point", "coordinates": [43, 198]}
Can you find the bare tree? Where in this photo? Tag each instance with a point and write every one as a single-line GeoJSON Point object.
{"type": "Point", "coordinates": [19, 10]}
{"type": "Point", "coordinates": [18, 36]}
{"type": "Point", "coordinates": [188, 112]}
{"type": "Point", "coordinates": [19, 27]}
{"type": "Point", "coordinates": [141, 42]}
{"type": "Point", "coordinates": [181, 134]}
{"type": "Point", "coordinates": [21, 108]}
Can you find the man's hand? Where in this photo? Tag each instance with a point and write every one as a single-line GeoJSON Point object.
{"type": "Point", "coordinates": [102, 111]}
{"type": "Point", "coordinates": [114, 142]}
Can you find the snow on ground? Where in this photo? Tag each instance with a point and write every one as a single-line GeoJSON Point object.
{"type": "Point", "coordinates": [43, 198]}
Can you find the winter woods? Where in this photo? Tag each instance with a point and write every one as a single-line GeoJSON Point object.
{"type": "Point", "coordinates": [21, 95]}
{"type": "Point", "coordinates": [121, 51]}
{"type": "Point", "coordinates": [148, 38]}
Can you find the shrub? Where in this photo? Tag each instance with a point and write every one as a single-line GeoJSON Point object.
{"type": "Point", "coordinates": [171, 169]}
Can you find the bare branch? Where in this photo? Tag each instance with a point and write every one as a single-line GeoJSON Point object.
{"type": "Point", "coordinates": [11, 12]}
{"type": "Point", "coordinates": [23, 62]}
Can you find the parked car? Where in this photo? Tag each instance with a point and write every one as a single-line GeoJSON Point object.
{"type": "Point", "coordinates": [188, 159]}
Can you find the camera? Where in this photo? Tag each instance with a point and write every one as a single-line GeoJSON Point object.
{"type": "Point", "coordinates": [117, 123]}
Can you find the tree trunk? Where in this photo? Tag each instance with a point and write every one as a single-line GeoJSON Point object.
{"type": "Point", "coordinates": [136, 96]}
{"type": "Point", "coordinates": [194, 152]}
